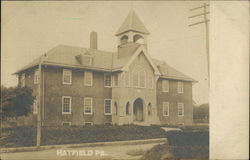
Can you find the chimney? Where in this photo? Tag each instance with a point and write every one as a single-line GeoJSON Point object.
{"type": "Point", "coordinates": [93, 40]}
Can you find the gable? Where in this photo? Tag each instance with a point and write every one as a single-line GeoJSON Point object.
{"type": "Point", "coordinates": [136, 56]}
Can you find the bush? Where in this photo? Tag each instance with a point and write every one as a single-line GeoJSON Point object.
{"type": "Point", "coordinates": [26, 136]}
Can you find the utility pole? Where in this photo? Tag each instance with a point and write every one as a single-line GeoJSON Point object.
{"type": "Point", "coordinates": [205, 12]}
{"type": "Point", "coordinates": [39, 114]}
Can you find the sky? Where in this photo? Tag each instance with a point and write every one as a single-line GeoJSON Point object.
{"type": "Point", "coordinates": [29, 29]}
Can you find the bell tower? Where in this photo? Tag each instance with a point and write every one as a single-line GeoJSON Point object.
{"type": "Point", "coordinates": [132, 30]}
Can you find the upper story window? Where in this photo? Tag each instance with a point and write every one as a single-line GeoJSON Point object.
{"type": "Point", "coordinates": [35, 107]}
{"type": "Point", "coordinates": [88, 104]}
{"type": "Point", "coordinates": [139, 78]}
{"type": "Point", "coordinates": [67, 76]}
{"type": "Point", "coordinates": [66, 105]}
{"type": "Point", "coordinates": [88, 78]}
{"type": "Point", "coordinates": [23, 80]}
{"type": "Point", "coordinates": [126, 79]}
{"type": "Point", "coordinates": [87, 60]}
{"type": "Point", "coordinates": [180, 109]}
{"type": "Point", "coordinates": [107, 106]}
{"type": "Point", "coordinates": [107, 80]}
{"type": "Point", "coordinates": [180, 88]}
{"type": "Point", "coordinates": [165, 108]}
{"type": "Point", "coordinates": [36, 77]}
{"type": "Point", "coordinates": [165, 85]}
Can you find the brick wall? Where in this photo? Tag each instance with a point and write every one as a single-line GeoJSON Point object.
{"type": "Point", "coordinates": [173, 98]}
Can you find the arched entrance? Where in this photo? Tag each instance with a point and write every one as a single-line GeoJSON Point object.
{"type": "Point", "coordinates": [138, 110]}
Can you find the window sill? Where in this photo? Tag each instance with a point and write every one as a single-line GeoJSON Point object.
{"type": "Point", "coordinates": [107, 114]}
{"type": "Point", "coordinates": [66, 112]}
{"type": "Point", "coordinates": [89, 114]}
{"type": "Point", "coordinates": [67, 83]}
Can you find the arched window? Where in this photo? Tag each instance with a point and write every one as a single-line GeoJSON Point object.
{"type": "Point", "coordinates": [116, 108]}
{"type": "Point", "coordinates": [139, 77]}
{"type": "Point", "coordinates": [127, 108]}
{"type": "Point", "coordinates": [149, 109]}
{"type": "Point", "coordinates": [138, 39]}
{"type": "Point", "coordinates": [124, 39]}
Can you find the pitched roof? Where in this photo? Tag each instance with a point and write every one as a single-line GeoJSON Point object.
{"type": "Point", "coordinates": [64, 55]}
{"type": "Point", "coordinates": [132, 23]}
{"type": "Point", "coordinates": [169, 72]}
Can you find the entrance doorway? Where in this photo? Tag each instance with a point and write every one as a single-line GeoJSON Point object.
{"type": "Point", "coordinates": [138, 110]}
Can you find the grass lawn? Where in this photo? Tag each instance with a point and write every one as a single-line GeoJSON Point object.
{"type": "Point", "coordinates": [192, 143]}
{"type": "Point", "coordinates": [26, 136]}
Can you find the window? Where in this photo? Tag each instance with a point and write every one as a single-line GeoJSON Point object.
{"type": "Point", "coordinates": [180, 109]}
{"type": "Point", "coordinates": [107, 106]}
{"type": "Point", "coordinates": [35, 107]}
{"type": "Point", "coordinates": [108, 123]}
{"type": "Point", "coordinates": [126, 78]}
{"type": "Point", "coordinates": [165, 85]}
{"type": "Point", "coordinates": [180, 87]}
{"type": "Point", "coordinates": [142, 79]}
{"type": "Point", "coordinates": [36, 77]}
{"type": "Point", "coordinates": [88, 105]}
{"type": "Point", "coordinates": [23, 80]}
{"type": "Point", "coordinates": [115, 77]}
{"type": "Point", "coordinates": [135, 77]}
{"type": "Point", "coordinates": [66, 123]}
{"type": "Point", "coordinates": [127, 108]}
{"type": "Point", "coordinates": [88, 78]}
{"type": "Point", "coordinates": [67, 76]}
{"type": "Point", "coordinates": [88, 123]}
{"type": "Point", "coordinates": [165, 108]}
{"type": "Point", "coordinates": [107, 80]}
{"type": "Point", "coordinates": [149, 109]}
{"type": "Point", "coordinates": [87, 60]}
{"type": "Point", "coordinates": [139, 78]}
{"type": "Point", "coordinates": [66, 105]}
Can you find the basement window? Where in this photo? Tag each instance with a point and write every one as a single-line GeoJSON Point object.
{"type": "Point", "coordinates": [66, 123]}
{"type": "Point", "coordinates": [88, 123]}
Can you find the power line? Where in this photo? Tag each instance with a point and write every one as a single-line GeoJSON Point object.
{"type": "Point", "coordinates": [204, 13]}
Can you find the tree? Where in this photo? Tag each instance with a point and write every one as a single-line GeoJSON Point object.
{"type": "Point", "coordinates": [15, 101]}
{"type": "Point", "coordinates": [202, 111]}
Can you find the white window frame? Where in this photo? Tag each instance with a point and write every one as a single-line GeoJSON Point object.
{"type": "Point", "coordinates": [107, 74]}
{"type": "Point", "coordinates": [163, 108]}
{"type": "Point", "coordinates": [85, 76]}
{"type": "Point", "coordinates": [165, 88]}
{"type": "Point", "coordinates": [64, 72]}
{"type": "Point", "coordinates": [23, 80]}
{"type": "Point", "coordinates": [36, 76]}
{"type": "Point", "coordinates": [110, 107]}
{"type": "Point", "coordinates": [87, 113]}
{"type": "Point", "coordinates": [180, 87]}
{"type": "Point", "coordinates": [91, 123]}
{"type": "Point", "coordinates": [69, 104]}
{"type": "Point", "coordinates": [180, 104]}
{"type": "Point", "coordinates": [35, 106]}
{"type": "Point", "coordinates": [66, 122]}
